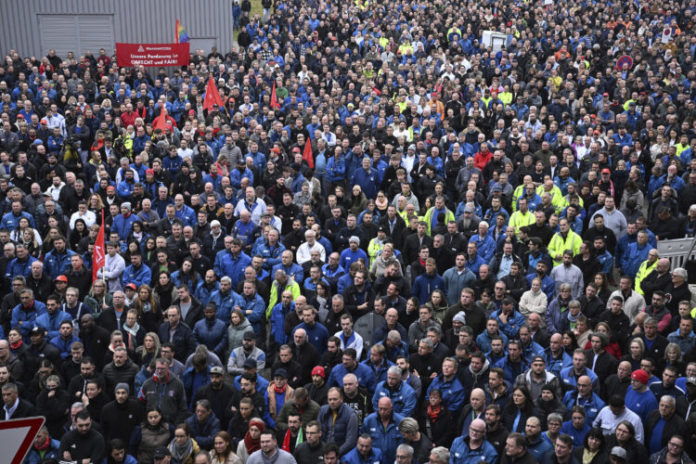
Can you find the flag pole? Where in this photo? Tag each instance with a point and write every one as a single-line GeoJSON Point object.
{"type": "Point", "coordinates": [106, 289]}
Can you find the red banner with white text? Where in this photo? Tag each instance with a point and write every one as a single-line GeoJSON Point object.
{"type": "Point", "coordinates": [169, 54]}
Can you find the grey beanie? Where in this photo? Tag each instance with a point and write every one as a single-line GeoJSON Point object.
{"type": "Point", "coordinates": [122, 386]}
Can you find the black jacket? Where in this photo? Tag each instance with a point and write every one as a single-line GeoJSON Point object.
{"type": "Point", "coordinates": [308, 454]}
{"type": "Point", "coordinates": [24, 409]}
{"type": "Point", "coordinates": [119, 420]}
{"type": "Point", "coordinates": [184, 343]}
{"type": "Point", "coordinates": [675, 425]}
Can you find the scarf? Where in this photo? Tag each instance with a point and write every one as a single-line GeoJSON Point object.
{"type": "Point", "coordinates": [43, 446]}
{"type": "Point", "coordinates": [434, 413]}
{"type": "Point", "coordinates": [16, 346]}
{"type": "Point", "coordinates": [272, 391]}
{"type": "Point", "coordinates": [181, 452]}
{"type": "Point", "coordinates": [288, 437]}
{"type": "Point", "coordinates": [250, 443]}
{"type": "Point", "coordinates": [132, 330]}
{"type": "Point", "coordinates": [588, 456]}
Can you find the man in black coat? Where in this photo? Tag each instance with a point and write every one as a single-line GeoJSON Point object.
{"type": "Point", "coordinates": [673, 423]}
{"type": "Point", "coordinates": [14, 406]}
{"type": "Point", "coordinates": [190, 308]}
{"type": "Point", "coordinates": [120, 417]}
{"type": "Point", "coordinates": [304, 353]}
{"type": "Point", "coordinates": [82, 443]}
{"type": "Point", "coordinates": [174, 330]}
{"type": "Point", "coordinates": [310, 451]}
{"type": "Point", "coordinates": [219, 393]}
{"type": "Point", "coordinates": [96, 339]}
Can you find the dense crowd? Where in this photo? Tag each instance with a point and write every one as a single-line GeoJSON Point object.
{"type": "Point", "coordinates": [391, 243]}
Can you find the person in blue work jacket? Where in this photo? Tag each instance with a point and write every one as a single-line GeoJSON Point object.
{"type": "Point", "coordinates": [136, 273]}
{"type": "Point", "coordinates": [383, 427]}
{"type": "Point", "coordinates": [402, 396]}
{"type": "Point", "coordinates": [474, 448]}
{"type": "Point", "coordinates": [453, 393]}
{"type": "Point", "coordinates": [364, 453]}
{"type": "Point", "coordinates": [584, 397]}
{"type": "Point", "coordinates": [349, 365]}
{"type": "Point", "coordinates": [425, 283]}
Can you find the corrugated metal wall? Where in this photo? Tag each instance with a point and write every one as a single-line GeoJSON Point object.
{"type": "Point", "coordinates": [145, 21]}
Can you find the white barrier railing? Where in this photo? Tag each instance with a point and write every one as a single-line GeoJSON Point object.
{"type": "Point", "coordinates": [678, 251]}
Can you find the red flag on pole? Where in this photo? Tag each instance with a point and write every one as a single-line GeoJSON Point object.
{"type": "Point", "coordinates": [99, 253]}
{"type": "Point", "coordinates": [274, 99]}
{"type": "Point", "coordinates": [161, 121]}
{"type": "Point", "coordinates": [307, 154]}
{"type": "Point", "coordinates": [212, 96]}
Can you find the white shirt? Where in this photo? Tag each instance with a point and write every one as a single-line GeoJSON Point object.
{"type": "Point", "coordinates": [355, 341]}
{"type": "Point", "coordinates": [607, 421]}
{"type": "Point", "coordinates": [257, 210]}
{"type": "Point", "coordinates": [89, 217]}
{"type": "Point", "coordinates": [112, 271]}
{"type": "Point", "coordinates": [304, 252]}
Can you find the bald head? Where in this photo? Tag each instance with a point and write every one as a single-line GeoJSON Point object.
{"type": "Point", "coordinates": [478, 393]}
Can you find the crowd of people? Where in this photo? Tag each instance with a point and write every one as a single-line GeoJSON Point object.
{"type": "Point", "coordinates": [390, 244]}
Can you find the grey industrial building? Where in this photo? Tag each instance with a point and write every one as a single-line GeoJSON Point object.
{"type": "Point", "coordinates": [32, 27]}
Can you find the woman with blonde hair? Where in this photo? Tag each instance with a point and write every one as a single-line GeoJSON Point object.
{"type": "Point", "coordinates": [150, 349]}
{"type": "Point", "coordinates": [222, 452]}
{"type": "Point", "coordinates": [147, 305]}
{"type": "Point", "coordinates": [98, 299]}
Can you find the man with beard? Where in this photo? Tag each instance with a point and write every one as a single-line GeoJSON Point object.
{"type": "Point", "coordinates": [239, 422]}
{"type": "Point", "coordinates": [317, 389]}
{"type": "Point", "coordinates": [120, 417]}
{"type": "Point", "coordinates": [83, 444]}
{"type": "Point", "coordinates": [218, 393]}
{"type": "Point", "coordinates": [310, 451]}
{"type": "Point", "coordinates": [475, 316]}
{"type": "Point", "coordinates": [120, 370]}
{"type": "Point", "coordinates": [356, 397]}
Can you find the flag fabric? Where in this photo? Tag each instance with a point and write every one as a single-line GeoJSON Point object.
{"type": "Point", "coordinates": [161, 121]}
{"type": "Point", "coordinates": [212, 96]}
{"type": "Point", "coordinates": [181, 35]}
{"type": "Point", "coordinates": [274, 99]}
{"type": "Point", "coordinates": [307, 154]}
{"type": "Point", "coordinates": [99, 253]}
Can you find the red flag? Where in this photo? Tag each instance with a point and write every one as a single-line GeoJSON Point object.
{"type": "Point", "coordinates": [160, 121]}
{"type": "Point", "coordinates": [274, 99]}
{"type": "Point", "coordinates": [212, 96]}
{"type": "Point", "coordinates": [307, 154]}
{"type": "Point", "coordinates": [99, 254]}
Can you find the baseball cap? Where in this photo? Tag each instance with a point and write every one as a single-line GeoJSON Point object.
{"type": "Point", "coordinates": [132, 286]}
{"type": "Point", "coordinates": [150, 171]}
{"type": "Point", "coordinates": [61, 278]}
{"type": "Point", "coordinates": [36, 330]}
{"type": "Point", "coordinates": [618, 452]}
{"type": "Point", "coordinates": [281, 373]}
{"type": "Point", "coordinates": [161, 453]}
{"type": "Point", "coordinates": [217, 370]}
{"type": "Point", "coordinates": [641, 376]}
{"type": "Point", "coordinates": [606, 171]}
